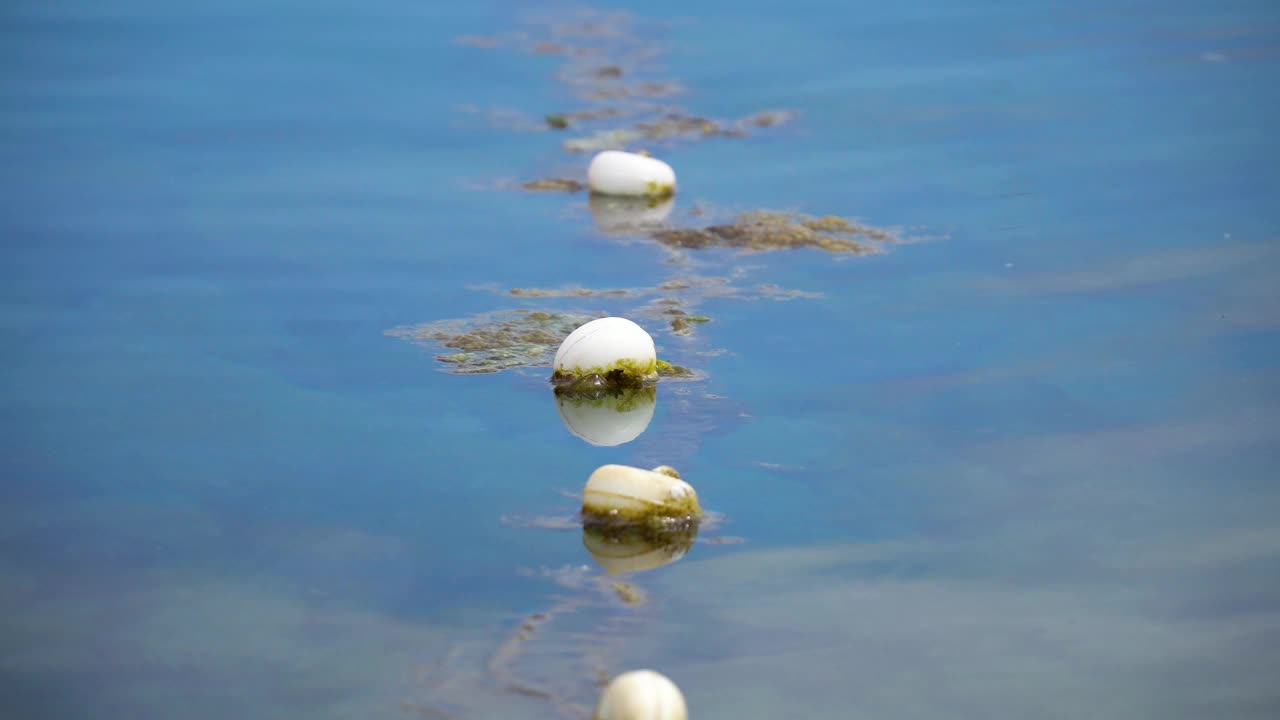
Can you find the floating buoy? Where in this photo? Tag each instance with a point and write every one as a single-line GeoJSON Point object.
{"type": "Point", "coordinates": [609, 352]}
{"type": "Point", "coordinates": [641, 695]}
{"type": "Point", "coordinates": [607, 418]}
{"type": "Point", "coordinates": [614, 172]}
{"type": "Point", "coordinates": [634, 548]}
{"type": "Point", "coordinates": [619, 494]}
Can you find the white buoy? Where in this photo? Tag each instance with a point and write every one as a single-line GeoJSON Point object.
{"type": "Point", "coordinates": [614, 172]}
{"type": "Point", "coordinates": [641, 695]}
{"type": "Point", "coordinates": [624, 494]}
{"type": "Point", "coordinates": [613, 350]}
{"type": "Point", "coordinates": [607, 419]}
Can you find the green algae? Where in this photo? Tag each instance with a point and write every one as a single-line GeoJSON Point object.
{"type": "Point", "coordinates": [643, 537]}
{"type": "Point", "coordinates": [659, 191]}
{"type": "Point", "coordinates": [569, 291]}
{"type": "Point", "coordinates": [618, 399]}
{"type": "Point", "coordinates": [506, 340]}
{"type": "Point", "coordinates": [492, 342]}
{"type": "Point", "coordinates": [609, 63]}
{"type": "Point", "coordinates": [624, 373]}
{"type": "Point", "coordinates": [636, 548]}
{"type": "Point", "coordinates": [617, 139]}
{"type": "Point", "coordinates": [554, 185]}
{"type": "Point", "coordinates": [511, 339]}
{"type": "Point", "coordinates": [763, 231]}
{"type": "Point", "coordinates": [663, 516]}
{"type": "Point", "coordinates": [674, 127]}
{"type": "Point", "coordinates": [629, 594]}
{"type": "Point", "coordinates": [683, 324]}
{"type": "Point", "coordinates": [668, 370]}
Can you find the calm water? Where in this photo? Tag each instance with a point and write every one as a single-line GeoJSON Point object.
{"type": "Point", "coordinates": [1024, 469]}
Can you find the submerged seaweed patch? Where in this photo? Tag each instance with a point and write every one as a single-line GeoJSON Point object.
{"type": "Point", "coordinates": [505, 340]}
{"type": "Point", "coordinates": [492, 342]}
{"type": "Point", "coordinates": [763, 230]}
{"type": "Point", "coordinates": [674, 126]}
{"type": "Point", "coordinates": [683, 324]}
{"type": "Point", "coordinates": [608, 59]}
{"type": "Point", "coordinates": [554, 185]}
{"type": "Point", "coordinates": [670, 370]}
{"type": "Point", "coordinates": [570, 291]}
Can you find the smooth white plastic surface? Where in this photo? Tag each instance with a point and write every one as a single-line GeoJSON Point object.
{"type": "Point", "coordinates": [614, 172]}
{"type": "Point", "coordinates": [641, 695]}
{"type": "Point", "coordinates": [601, 343]}
{"type": "Point", "coordinates": [627, 489]}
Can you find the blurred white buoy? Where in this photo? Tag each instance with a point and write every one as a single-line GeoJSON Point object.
{"type": "Point", "coordinates": [614, 172]}
{"type": "Point", "coordinates": [623, 494]}
{"type": "Point", "coordinates": [641, 695]}
{"type": "Point", "coordinates": [614, 350]}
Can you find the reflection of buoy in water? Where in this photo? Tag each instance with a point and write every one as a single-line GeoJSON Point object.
{"type": "Point", "coordinates": [641, 695]}
{"type": "Point", "coordinates": [608, 352]}
{"type": "Point", "coordinates": [607, 417]}
{"type": "Point", "coordinates": [629, 215]}
{"type": "Point", "coordinates": [633, 548]}
{"type": "Point", "coordinates": [614, 172]}
{"type": "Point", "coordinates": [619, 494]}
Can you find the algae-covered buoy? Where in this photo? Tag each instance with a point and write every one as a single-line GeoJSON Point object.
{"type": "Point", "coordinates": [633, 548]}
{"type": "Point", "coordinates": [609, 352]}
{"type": "Point", "coordinates": [619, 494]}
{"type": "Point", "coordinates": [614, 172]}
{"type": "Point", "coordinates": [641, 695]}
{"type": "Point", "coordinates": [605, 418]}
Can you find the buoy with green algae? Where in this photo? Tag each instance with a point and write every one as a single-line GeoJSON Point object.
{"type": "Point", "coordinates": [614, 172]}
{"type": "Point", "coordinates": [624, 495]}
{"type": "Point", "coordinates": [607, 352]}
{"type": "Point", "coordinates": [641, 695]}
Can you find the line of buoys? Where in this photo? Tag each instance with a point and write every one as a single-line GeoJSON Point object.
{"type": "Point", "coordinates": [633, 519]}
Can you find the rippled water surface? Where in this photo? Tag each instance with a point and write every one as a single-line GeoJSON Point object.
{"type": "Point", "coordinates": [1019, 462]}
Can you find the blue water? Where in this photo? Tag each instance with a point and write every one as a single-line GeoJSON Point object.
{"type": "Point", "coordinates": [1025, 468]}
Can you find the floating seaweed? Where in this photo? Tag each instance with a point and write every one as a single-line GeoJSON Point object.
{"type": "Point", "coordinates": [496, 341]}
{"type": "Point", "coordinates": [607, 59]}
{"type": "Point", "coordinates": [554, 185]}
{"type": "Point", "coordinates": [674, 126]}
{"type": "Point", "coordinates": [762, 231]}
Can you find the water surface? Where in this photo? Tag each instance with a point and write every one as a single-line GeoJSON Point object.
{"type": "Point", "coordinates": [1024, 468]}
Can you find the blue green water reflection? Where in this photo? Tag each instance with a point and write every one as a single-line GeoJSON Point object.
{"type": "Point", "coordinates": [1025, 467]}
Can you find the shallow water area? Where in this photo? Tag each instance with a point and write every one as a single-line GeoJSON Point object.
{"type": "Point", "coordinates": [279, 436]}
